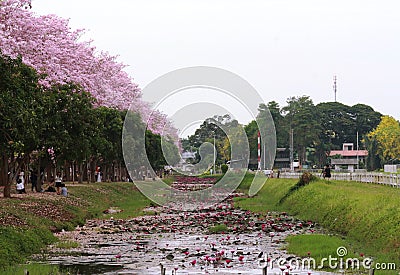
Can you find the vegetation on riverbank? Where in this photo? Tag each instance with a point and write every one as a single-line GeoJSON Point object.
{"type": "Point", "coordinates": [366, 215]}
{"type": "Point", "coordinates": [27, 221]}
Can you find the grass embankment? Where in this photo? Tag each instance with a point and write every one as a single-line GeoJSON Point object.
{"type": "Point", "coordinates": [367, 215]}
{"type": "Point", "coordinates": [28, 221]}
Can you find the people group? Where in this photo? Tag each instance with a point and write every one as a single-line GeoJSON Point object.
{"type": "Point", "coordinates": [54, 185]}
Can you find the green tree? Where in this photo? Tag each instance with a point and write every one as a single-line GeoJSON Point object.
{"type": "Point", "coordinates": [341, 123]}
{"type": "Point", "coordinates": [365, 117]}
{"type": "Point", "coordinates": [282, 137]}
{"type": "Point", "coordinates": [134, 153]}
{"type": "Point", "coordinates": [387, 136]}
{"type": "Point", "coordinates": [68, 127]}
{"type": "Point", "coordinates": [302, 116]}
{"type": "Point", "coordinates": [155, 154]}
{"type": "Point", "coordinates": [19, 120]}
{"type": "Point", "coordinates": [373, 159]}
{"type": "Point", "coordinates": [217, 127]}
{"type": "Point", "coordinates": [251, 130]}
{"type": "Point", "coordinates": [105, 141]}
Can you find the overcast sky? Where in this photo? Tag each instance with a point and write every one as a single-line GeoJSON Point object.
{"type": "Point", "coordinates": [283, 48]}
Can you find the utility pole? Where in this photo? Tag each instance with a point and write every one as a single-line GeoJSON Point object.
{"type": "Point", "coordinates": [334, 86]}
{"type": "Point", "coordinates": [291, 150]}
{"type": "Point", "coordinates": [259, 150]}
{"type": "Point", "coordinates": [214, 155]}
{"type": "Point", "coordinates": [264, 156]}
{"type": "Point", "coordinates": [358, 161]}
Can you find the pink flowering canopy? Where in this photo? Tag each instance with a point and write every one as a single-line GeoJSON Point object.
{"type": "Point", "coordinates": [48, 44]}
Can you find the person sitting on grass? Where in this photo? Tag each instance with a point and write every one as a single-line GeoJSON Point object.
{"type": "Point", "coordinates": [64, 190]}
{"type": "Point", "coordinates": [50, 187]}
{"type": "Point", "coordinates": [20, 187]}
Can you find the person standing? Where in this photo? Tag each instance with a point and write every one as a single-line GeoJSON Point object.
{"type": "Point", "coordinates": [99, 174]}
{"type": "Point", "coordinates": [327, 172]}
{"type": "Point", "coordinates": [58, 181]}
{"type": "Point", "coordinates": [34, 179]}
{"type": "Point", "coordinates": [22, 177]}
{"type": "Point", "coordinates": [20, 186]}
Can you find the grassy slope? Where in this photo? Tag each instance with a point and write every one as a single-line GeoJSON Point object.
{"type": "Point", "coordinates": [18, 242]}
{"type": "Point", "coordinates": [368, 215]}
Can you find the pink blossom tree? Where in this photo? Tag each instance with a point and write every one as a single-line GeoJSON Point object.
{"type": "Point", "coordinates": [54, 50]}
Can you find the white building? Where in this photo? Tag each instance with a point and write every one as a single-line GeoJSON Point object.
{"type": "Point", "coordinates": [349, 157]}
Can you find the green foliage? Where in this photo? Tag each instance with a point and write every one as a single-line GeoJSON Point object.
{"type": "Point", "coordinates": [84, 201]}
{"type": "Point", "coordinates": [16, 244]}
{"type": "Point", "coordinates": [218, 127]}
{"type": "Point", "coordinates": [35, 121]}
{"type": "Point", "coordinates": [373, 159]}
{"type": "Point", "coordinates": [33, 269]}
{"type": "Point", "coordinates": [19, 98]}
{"type": "Point", "coordinates": [154, 151]}
{"type": "Point", "coordinates": [366, 214]}
{"type": "Point", "coordinates": [68, 122]}
{"type": "Point", "coordinates": [387, 137]}
{"type": "Point", "coordinates": [319, 247]}
{"type": "Point", "coordinates": [67, 244]}
{"type": "Point", "coordinates": [340, 123]}
{"type": "Point", "coordinates": [251, 130]}
{"type": "Point", "coordinates": [244, 184]}
{"type": "Point", "coordinates": [224, 168]}
{"type": "Point", "coordinates": [301, 116]}
{"type": "Point", "coordinates": [304, 179]}
{"type": "Point", "coordinates": [19, 116]}
{"type": "Point", "coordinates": [219, 228]}
{"type": "Point", "coordinates": [282, 137]}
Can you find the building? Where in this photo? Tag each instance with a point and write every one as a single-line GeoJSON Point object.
{"type": "Point", "coordinates": [282, 158]}
{"type": "Point", "coordinates": [348, 158]}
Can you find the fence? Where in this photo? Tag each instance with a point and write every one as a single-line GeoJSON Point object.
{"type": "Point", "coordinates": [367, 177]}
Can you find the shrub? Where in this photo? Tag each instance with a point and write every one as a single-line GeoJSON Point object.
{"type": "Point", "coordinates": [224, 168]}
{"type": "Point", "coordinates": [304, 179]}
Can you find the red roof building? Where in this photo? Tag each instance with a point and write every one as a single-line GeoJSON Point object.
{"type": "Point", "coordinates": [348, 157]}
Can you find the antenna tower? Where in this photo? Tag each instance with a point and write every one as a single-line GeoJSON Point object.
{"type": "Point", "coordinates": [334, 86]}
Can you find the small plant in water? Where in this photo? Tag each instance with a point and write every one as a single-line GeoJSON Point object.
{"type": "Point", "coordinates": [67, 244]}
{"type": "Point", "coordinates": [219, 228]}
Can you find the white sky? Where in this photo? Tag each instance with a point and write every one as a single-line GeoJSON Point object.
{"type": "Point", "coordinates": [282, 47]}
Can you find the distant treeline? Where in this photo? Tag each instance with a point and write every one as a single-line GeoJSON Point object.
{"type": "Point", "coordinates": [317, 129]}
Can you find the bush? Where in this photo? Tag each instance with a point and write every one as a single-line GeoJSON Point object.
{"type": "Point", "coordinates": [224, 168]}
{"type": "Point", "coordinates": [304, 179]}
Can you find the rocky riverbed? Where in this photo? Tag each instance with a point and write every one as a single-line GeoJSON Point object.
{"type": "Point", "coordinates": [220, 240]}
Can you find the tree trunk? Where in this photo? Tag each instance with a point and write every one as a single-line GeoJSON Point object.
{"type": "Point", "coordinates": [73, 171]}
{"type": "Point", "coordinates": [4, 177]}
{"type": "Point", "coordinates": [80, 179]}
{"type": "Point", "coordinates": [119, 172]}
{"type": "Point", "coordinates": [39, 175]}
{"type": "Point", "coordinates": [86, 171]}
{"type": "Point", "coordinates": [93, 170]}
{"type": "Point", "coordinates": [66, 171]}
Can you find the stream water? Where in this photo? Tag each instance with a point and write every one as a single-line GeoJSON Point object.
{"type": "Point", "coordinates": [183, 243]}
